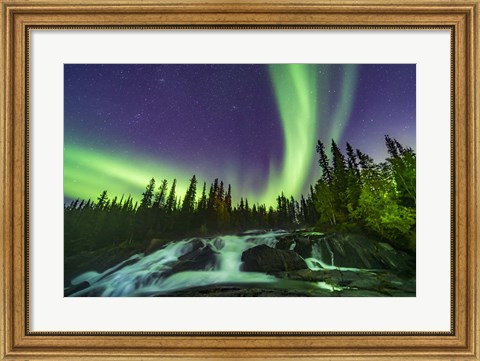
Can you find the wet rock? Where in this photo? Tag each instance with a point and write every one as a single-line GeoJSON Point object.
{"type": "Point", "coordinates": [152, 277]}
{"type": "Point", "coordinates": [235, 291]}
{"type": "Point", "coordinates": [370, 283]}
{"type": "Point", "coordinates": [295, 242]}
{"type": "Point", "coordinates": [285, 243]}
{"type": "Point", "coordinates": [309, 234]}
{"type": "Point", "coordinates": [379, 282]}
{"type": "Point", "coordinates": [252, 232]}
{"type": "Point", "coordinates": [202, 258]}
{"type": "Point", "coordinates": [218, 243]}
{"type": "Point", "coordinates": [193, 244]}
{"type": "Point", "coordinates": [303, 275]}
{"type": "Point", "coordinates": [303, 246]}
{"type": "Point", "coordinates": [336, 277]}
{"type": "Point", "coordinates": [359, 251]}
{"type": "Point", "coordinates": [358, 293]}
{"type": "Point", "coordinates": [266, 259]}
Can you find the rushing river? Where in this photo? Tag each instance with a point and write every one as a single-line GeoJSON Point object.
{"type": "Point", "coordinates": [151, 275]}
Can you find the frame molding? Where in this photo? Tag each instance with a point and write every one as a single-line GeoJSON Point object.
{"type": "Point", "coordinates": [17, 342]}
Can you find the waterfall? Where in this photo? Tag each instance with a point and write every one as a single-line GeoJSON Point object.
{"type": "Point", "coordinates": [151, 275]}
{"type": "Point", "coordinates": [332, 256]}
{"type": "Point", "coordinates": [233, 247]}
{"type": "Point", "coordinates": [316, 263]}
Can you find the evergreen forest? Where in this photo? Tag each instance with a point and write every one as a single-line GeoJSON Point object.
{"type": "Point", "coordinates": [354, 194]}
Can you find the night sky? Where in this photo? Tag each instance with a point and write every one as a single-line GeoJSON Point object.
{"type": "Point", "coordinates": [253, 126]}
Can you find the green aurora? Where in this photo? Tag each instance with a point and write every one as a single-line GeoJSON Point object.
{"type": "Point", "coordinates": [301, 94]}
{"type": "Point", "coordinates": [88, 171]}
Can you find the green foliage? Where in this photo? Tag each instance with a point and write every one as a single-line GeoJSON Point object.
{"type": "Point", "coordinates": [380, 211]}
{"type": "Point", "coordinates": [325, 203]}
{"type": "Point", "coordinates": [357, 192]}
{"type": "Point", "coordinates": [403, 165]}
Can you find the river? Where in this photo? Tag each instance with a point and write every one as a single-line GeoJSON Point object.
{"type": "Point", "coordinates": [155, 274]}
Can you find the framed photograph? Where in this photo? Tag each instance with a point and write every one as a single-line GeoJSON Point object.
{"type": "Point", "coordinates": [219, 180]}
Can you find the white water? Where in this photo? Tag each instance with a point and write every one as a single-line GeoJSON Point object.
{"type": "Point", "coordinates": [315, 262]}
{"type": "Point", "coordinates": [149, 275]}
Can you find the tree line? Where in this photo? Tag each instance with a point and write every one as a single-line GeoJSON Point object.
{"type": "Point", "coordinates": [353, 194]}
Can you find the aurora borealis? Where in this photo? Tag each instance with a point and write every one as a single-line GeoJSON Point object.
{"type": "Point", "coordinates": [252, 126]}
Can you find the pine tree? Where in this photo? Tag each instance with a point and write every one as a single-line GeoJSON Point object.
{"type": "Point", "coordinates": [202, 204]}
{"type": "Point", "coordinates": [102, 200]}
{"type": "Point", "coordinates": [228, 199]}
{"type": "Point", "coordinates": [171, 203]}
{"type": "Point", "coordinates": [188, 204]}
{"type": "Point", "coordinates": [352, 161]}
{"type": "Point", "coordinates": [324, 163]}
{"type": "Point", "coordinates": [353, 180]}
{"type": "Point", "coordinates": [148, 195]}
{"type": "Point", "coordinates": [403, 165]}
{"type": "Point", "coordinates": [221, 192]}
{"type": "Point", "coordinates": [161, 195]}
{"type": "Point", "coordinates": [339, 167]}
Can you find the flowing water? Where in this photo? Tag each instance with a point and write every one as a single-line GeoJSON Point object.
{"type": "Point", "coordinates": [315, 262]}
{"type": "Point", "coordinates": [150, 275]}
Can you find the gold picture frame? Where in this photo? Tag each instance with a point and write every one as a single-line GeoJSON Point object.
{"type": "Point", "coordinates": [20, 16]}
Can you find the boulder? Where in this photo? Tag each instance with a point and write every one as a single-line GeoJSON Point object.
{"type": "Point", "coordinates": [266, 259]}
{"type": "Point", "coordinates": [218, 243]}
{"type": "Point", "coordinates": [357, 251]}
{"type": "Point", "coordinates": [192, 245]}
{"type": "Point", "coordinates": [295, 242]}
{"type": "Point", "coordinates": [199, 258]}
{"type": "Point", "coordinates": [303, 246]}
{"type": "Point", "coordinates": [285, 243]}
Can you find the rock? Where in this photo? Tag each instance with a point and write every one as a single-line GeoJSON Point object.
{"type": "Point", "coordinates": [312, 234]}
{"type": "Point", "coordinates": [303, 246]}
{"type": "Point", "coordinates": [152, 277]}
{"type": "Point", "coordinates": [285, 243]}
{"type": "Point", "coordinates": [303, 275]}
{"type": "Point", "coordinates": [218, 243]}
{"type": "Point", "coordinates": [266, 259]}
{"type": "Point", "coordinates": [357, 251]}
{"type": "Point", "coordinates": [192, 244]}
{"type": "Point", "coordinates": [335, 277]}
{"type": "Point", "coordinates": [367, 284]}
{"type": "Point", "coordinates": [200, 258]}
{"type": "Point", "coordinates": [232, 291]}
{"type": "Point", "coordinates": [297, 243]}
{"type": "Point", "coordinates": [155, 244]}
{"type": "Point", "coordinates": [358, 293]}
{"type": "Point", "coordinates": [252, 232]}
{"type": "Point", "coordinates": [354, 251]}
{"type": "Point", "coordinates": [363, 283]}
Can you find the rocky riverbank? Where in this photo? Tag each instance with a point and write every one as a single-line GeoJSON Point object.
{"type": "Point", "coordinates": [254, 264]}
